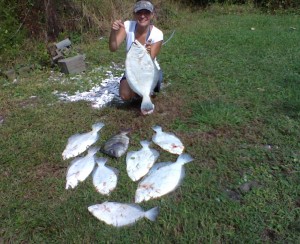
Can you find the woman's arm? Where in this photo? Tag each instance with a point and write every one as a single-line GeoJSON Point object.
{"type": "Point", "coordinates": [154, 49]}
{"type": "Point", "coordinates": [117, 35]}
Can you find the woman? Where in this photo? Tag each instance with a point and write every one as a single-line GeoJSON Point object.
{"type": "Point", "coordinates": [140, 29]}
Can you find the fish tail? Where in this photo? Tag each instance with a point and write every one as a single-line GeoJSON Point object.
{"type": "Point", "coordinates": [93, 150]}
{"type": "Point", "coordinates": [157, 128]}
{"type": "Point", "coordinates": [145, 143]}
{"type": "Point", "coordinates": [152, 213]}
{"type": "Point", "coordinates": [184, 158]}
{"type": "Point", "coordinates": [101, 161]}
{"type": "Point", "coordinates": [97, 126]}
{"type": "Point", "coordinates": [147, 106]}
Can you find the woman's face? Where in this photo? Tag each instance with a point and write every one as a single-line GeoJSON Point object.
{"type": "Point", "coordinates": [143, 17]}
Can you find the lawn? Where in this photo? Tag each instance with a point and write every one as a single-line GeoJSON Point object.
{"type": "Point", "coordinates": [232, 98]}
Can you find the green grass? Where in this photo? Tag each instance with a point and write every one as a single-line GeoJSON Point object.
{"type": "Point", "coordinates": [233, 100]}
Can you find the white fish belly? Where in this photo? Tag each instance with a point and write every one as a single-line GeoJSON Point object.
{"type": "Point", "coordinates": [78, 144]}
{"type": "Point", "coordinates": [141, 72]}
{"type": "Point", "coordinates": [79, 170]}
{"type": "Point", "coordinates": [105, 180]}
{"type": "Point", "coordinates": [159, 182]}
{"type": "Point", "coordinates": [140, 162]}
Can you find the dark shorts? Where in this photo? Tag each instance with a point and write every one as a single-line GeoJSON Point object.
{"type": "Point", "coordinates": [160, 80]}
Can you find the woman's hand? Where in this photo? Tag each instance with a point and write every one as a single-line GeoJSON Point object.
{"type": "Point", "coordinates": [117, 24]}
{"type": "Point", "coordinates": [148, 46]}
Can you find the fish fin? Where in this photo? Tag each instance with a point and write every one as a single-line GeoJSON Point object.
{"type": "Point", "coordinates": [97, 126]}
{"type": "Point", "coordinates": [147, 107]}
{"type": "Point", "coordinates": [152, 213]}
{"type": "Point", "coordinates": [71, 183]}
{"type": "Point", "coordinates": [184, 158]}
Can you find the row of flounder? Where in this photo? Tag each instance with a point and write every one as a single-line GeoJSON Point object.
{"type": "Point", "coordinates": [158, 179]}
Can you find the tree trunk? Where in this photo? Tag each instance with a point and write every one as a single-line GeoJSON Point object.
{"type": "Point", "coordinates": [52, 22]}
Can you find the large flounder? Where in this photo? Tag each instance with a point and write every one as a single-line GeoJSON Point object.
{"type": "Point", "coordinates": [142, 74]}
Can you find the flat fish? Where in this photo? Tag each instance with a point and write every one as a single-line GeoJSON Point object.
{"type": "Point", "coordinates": [121, 214]}
{"type": "Point", "coordinates": [117, 145]}
{"type": "Point", "coordinates": [78, 143]}
{"type": "Point", "coordinates": [139, 162]}
{"type": "Point", "coordinates": [167, 141]}
{"type": "Point", "coordinates": [142, 74]}
{"type": "Point", "coordinates": [162, 179]}
{"type": "Point", "coordinates": [104, 177]}
{"type": "Point", "coordinates": [81, 168]}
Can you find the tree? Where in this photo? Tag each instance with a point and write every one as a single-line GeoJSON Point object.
{"type": "Point", "coordinates": [52, 22]}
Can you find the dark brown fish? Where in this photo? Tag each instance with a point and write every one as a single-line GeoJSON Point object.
{"type": "Point", "coordinates": [117, 145]}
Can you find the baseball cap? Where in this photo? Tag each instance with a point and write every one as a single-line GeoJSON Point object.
{"type": "Point", "coordinates": [143, 5]}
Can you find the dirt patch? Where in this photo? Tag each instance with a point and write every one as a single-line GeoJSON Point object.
{"type": "Point", "coordinates": [47, 170]}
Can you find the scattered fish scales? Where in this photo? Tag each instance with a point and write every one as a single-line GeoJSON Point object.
{"type": "Point", "coordinates": [162, 179]}
{"type": "Point", "coordinates": [78, 143]}
{"type": "Point", "coordinates": [81, 168]}
{"type": "Point", "coordinates": [104, 177]}
{"type": "Point", "coordinates": [121, 214]}
{"type": "Point", "coordinates": [117, 145]}
{"type": "Point", "coordinates": [167, 141]}
{"type": "Point", "coordinates": [138, 163]}
{"type": "Point", "coordinates": [142, 74]}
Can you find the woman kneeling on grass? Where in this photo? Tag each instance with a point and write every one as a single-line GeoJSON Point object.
{"type": "Point", "coordinates": [145, 32]}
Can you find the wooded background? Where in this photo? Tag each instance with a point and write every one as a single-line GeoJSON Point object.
{"type": "Point", "coordinates": [46, 20]}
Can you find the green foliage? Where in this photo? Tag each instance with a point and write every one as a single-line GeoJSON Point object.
{"type": "Point", "coordinates": [11, 34]}
{"type": "Point", "coordinates": [277, 4]}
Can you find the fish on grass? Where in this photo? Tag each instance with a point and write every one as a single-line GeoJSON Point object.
{"type": "Point", "coordinates": [78, 143]}
{"type": "Point", "coordinates": [142, 74]}
{"type": "Point", "coordinates": [138, 163]}
{"type": "Point", "coordinates": [167, 141]}
{"type": "Point", "coordinates": [80, 168]}
{"type": "Point", "coordinates": [117, 145]}
{"type": "Point", "coordinates": [121, 214]}
{"type": "Point", "coordinates": [162, 179]}
{"type": "Point", "coordinates": [104, 177]}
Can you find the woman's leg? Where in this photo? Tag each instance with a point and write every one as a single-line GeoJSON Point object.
{"type": "Point", "coordinates": [125, 91]}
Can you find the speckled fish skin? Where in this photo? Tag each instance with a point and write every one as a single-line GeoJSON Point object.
{"type": "Point", "coordinates": [78, 143]}
{"type": "Point", "coordinates": [121, 214]}
{"type": "Point", "coordinates": [105, 178]}
{"type": "Point", "coordinates": [142, 74]}
{"type": "Point", "coordinates": [167, 141]}
{"type": "Point", "coordinates": [162, 179]}
{"type": "Point", "coordinates": [81, 168]}
{"type": "Point", "coordinates": [138, 163]}
{"type": "Point", "coordinates": [117, 145]}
